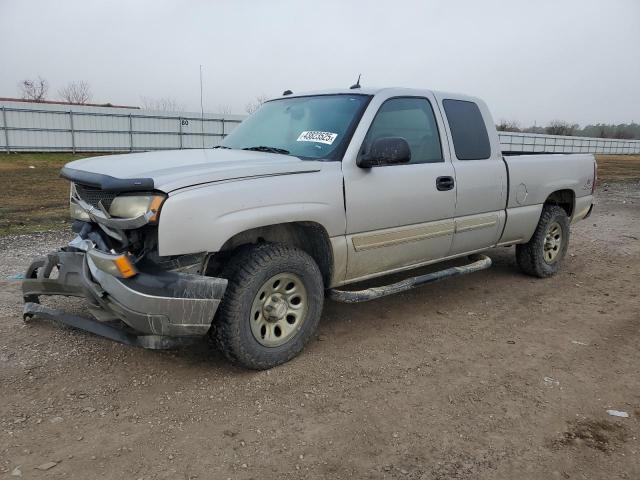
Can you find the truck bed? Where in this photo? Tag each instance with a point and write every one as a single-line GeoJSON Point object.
{"type": "Point", "coordinates": [530, 184]}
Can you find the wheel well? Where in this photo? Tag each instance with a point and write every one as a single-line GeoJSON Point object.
{"type": "Point", "coordinates": [310, 237]}
{"type": "Point", "coordinates": [564, 199]}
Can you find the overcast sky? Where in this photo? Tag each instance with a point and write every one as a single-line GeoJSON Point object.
{"type": "Point", "coordinates": [532, 61]}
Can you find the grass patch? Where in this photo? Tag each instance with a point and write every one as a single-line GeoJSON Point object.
{"type": "Point", "coordinates": [616, 168]}
{"type": "Point", "coordinates": [33, 198]}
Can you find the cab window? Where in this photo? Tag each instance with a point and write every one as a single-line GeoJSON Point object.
{"type": "Point", "coordinates": [412, 119]}
{"type": "Point", "coordinates": [468, 130]}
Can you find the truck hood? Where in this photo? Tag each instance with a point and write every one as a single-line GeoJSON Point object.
{"type": "Point", "coordinates": [174, 169]}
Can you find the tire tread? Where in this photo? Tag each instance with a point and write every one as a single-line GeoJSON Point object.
{"type": "Point", "coordinates": [239, 270]}
{"type": "Point", "coordinates": [529, 256]}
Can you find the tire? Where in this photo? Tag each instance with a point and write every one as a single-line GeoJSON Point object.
{"type": "Point", "coordinates": [253, 310]}
{"type": "Point", "coordinates": [542, 255]}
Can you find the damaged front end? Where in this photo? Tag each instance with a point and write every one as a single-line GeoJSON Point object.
{"type": "Point", "coordinates": [135, 296]}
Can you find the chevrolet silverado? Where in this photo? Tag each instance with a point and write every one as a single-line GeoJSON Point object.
{"type": "Point", "coordinates": [312, 192]}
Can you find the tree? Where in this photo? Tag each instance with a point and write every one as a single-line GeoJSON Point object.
{"type": "Point", "coordinates": [508, 126]}
{"type": "Point", "coordinates": [35, 90]}
{"type": "Point", "coordinates": [560, 127]}
{"type": "Point", "coordinates": [254, 105]}
{"type": "Point", "coordinates": [76, 92]}
{"type": "Point", "coordinates": [164, 104]}
{"type": "Point", "coordinates": [534, 129]}
{"type": "Point", "coordinates": [622, 132]}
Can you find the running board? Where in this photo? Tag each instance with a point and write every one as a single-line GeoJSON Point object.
{"type": "Point", "coordinates": [479, 262]}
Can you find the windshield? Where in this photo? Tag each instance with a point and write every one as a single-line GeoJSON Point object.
{"type": "Point", "coordinates": [310, 127]}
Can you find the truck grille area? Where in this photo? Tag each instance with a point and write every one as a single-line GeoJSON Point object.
{"type": "Point", "coordinates": [93, 195]}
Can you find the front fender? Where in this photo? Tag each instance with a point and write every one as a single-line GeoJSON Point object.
{"type": "Point", "coordinates": [203, 218]}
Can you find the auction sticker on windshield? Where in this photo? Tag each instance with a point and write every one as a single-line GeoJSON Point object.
{"type": "Point", "coordinates": [320, 137]}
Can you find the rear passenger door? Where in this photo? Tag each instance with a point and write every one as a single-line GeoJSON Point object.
{"type": "Point", "coordinates": [480, 173]}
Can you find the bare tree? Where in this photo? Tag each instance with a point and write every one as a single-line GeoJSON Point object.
{"type": "Point", "coordinates": [76, 92]}
{"type": "Point", "coordinates": [559, 127]}
{"type": "Point", "coordinates": [508, 126]}
{"type": "Point", "coordinates": [254, 105]}
{"type": "Point", "coordinates": [621, 133]}
{"type": "Point", "coordinates": [164, 104]}
{"type": "Point", "coordinates": [35, 90]}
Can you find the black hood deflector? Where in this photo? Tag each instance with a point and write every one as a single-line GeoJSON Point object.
{"type": "Point", "coordinates": [107, 182]}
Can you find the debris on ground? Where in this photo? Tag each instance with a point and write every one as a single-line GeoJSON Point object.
{"type": "Point", "coordinates": [47, 466]}
{"type": "Point", "coordinates": [618, 413]}
{"type": "Point", "coordinates": [551, 381]}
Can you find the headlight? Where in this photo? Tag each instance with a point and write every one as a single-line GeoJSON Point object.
{"type": "Point", "coordinates": [131, 206]}
{"type": "Point", "coordinates": [77, 213]}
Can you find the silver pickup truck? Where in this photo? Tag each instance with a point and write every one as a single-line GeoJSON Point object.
{"type": "Point", "coordinates": [311, 193]}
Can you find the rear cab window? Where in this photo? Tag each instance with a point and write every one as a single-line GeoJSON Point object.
{"type": "Point", "coordinates": [468, 130]}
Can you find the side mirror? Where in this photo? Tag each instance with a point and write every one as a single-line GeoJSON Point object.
{"type": "Point", "coordinates": [386, 151]}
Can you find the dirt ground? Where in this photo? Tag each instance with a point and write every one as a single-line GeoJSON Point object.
{"type": "Point", "coordinates": [490, 376]}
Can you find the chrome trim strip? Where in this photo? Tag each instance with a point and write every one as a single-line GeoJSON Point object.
{"type": "Point", "coordinates": [401, 235]}
{"type": "Point", "coordinates": [468, 224]}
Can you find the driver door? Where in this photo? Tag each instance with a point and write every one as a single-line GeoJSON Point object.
{"type": "Point", "coordinates": [401, 215]}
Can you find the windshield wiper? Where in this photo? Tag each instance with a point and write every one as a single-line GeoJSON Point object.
{"type": "Point", "coordinates": [222, 146]}
{"type": "Point", "coordinates": [263, 148]}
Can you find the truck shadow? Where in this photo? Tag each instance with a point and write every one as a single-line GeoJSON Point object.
{"type": "Point", "coordinates": [432, 297]}
{"type": "Point", "coordinates": [349, 320]}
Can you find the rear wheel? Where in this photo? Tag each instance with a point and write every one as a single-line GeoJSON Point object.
{"type": "Point", "coordinates": [543, 254]}
{"type": "Point", "coordinates": [272, 305]}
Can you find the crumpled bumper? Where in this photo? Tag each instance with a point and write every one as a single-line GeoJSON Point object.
{"type": "Point", "coordinates": [154, 307]}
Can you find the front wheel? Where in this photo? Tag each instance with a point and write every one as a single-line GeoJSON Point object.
{"type": "Point", "coordinates": [541, 256]}
{"type": "Point", "coordinates": [272, 305]}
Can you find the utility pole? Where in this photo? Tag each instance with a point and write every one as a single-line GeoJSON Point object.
{"type": "Point", "coordinates": [201, 109]}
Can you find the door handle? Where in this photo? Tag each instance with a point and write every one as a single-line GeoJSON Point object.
{"type": "Point", "coordinates": [444, 183]}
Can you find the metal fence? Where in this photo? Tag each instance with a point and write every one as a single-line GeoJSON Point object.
{"type": "Point", "coordinates": [42, 127]}
{"type": "Point", "coordinates": [535, 143]}
{"type": "Point", "coordinates": [49, 128]}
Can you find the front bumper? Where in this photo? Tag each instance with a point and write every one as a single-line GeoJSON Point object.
{"type": "Point", "coordinates": [148, 309]}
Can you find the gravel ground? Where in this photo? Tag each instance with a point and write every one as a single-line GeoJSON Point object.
{"type": "Point", "coordinates": [494, 375]}
{"type": "Point", "coordinates": [18, 250]}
